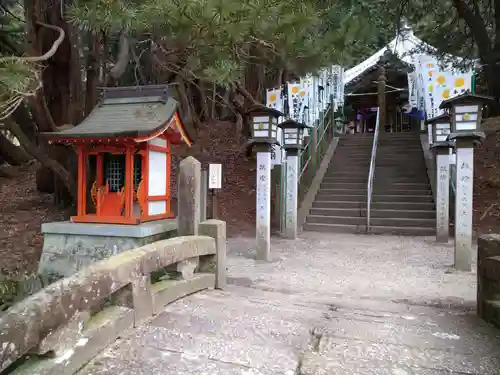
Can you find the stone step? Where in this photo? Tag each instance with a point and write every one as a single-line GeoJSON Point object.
{"type": "Point", "coordinates": [361, 212]}
{"type": "Point", "coordinates": [360, 204]}
{"type": "Point", "coordinates": [379, 178]}
{"type": "Point", "coordinates": [353, 198]}
{"type": "Point", "coordinates": [388, 176]}
{"type": "Point", "coordinates": [375, 221]}
{"type": "Point", "coordinates": [334, 228]}
{"type": "Point", "coordinates": [348, 143]}
{"type": "Point", "coordinates": [403, 150]}
{"type": "Point", "coordinates": [377, 186]}
{"type": "Point", "coordinates": [345, 180]}
{"type": "Point", "coordinates": [403, 161]}
{"type": "Point", "coordinates": [377, 190]}
{"type": "Point", "coordinates": [346, 174]}
{"type": "Point", "coordinates": [358, 163]}
{"type": "Point", "coordinates": [375, 198]}
{"type": "Point", "coordinates": [344, 228]}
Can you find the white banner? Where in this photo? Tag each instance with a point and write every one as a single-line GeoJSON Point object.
{"type": "Point", "coordinates": [315, 101]}
{"type": "Point", "coordinates": [412, 90]}
{"type": "Point", "coordinates": [274, 99]}
{"type": "Point", "coordinates": [440, 85]}
{"type": "Point", "coordinates": [307, 83]}
{"type": "Point", "coordinates": [294, 101]}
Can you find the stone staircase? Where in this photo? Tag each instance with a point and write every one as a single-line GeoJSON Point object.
{"type": "Point", "coordinates": [402, 201]}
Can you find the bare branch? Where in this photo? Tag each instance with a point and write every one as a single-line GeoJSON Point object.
{"type": "Point", "coordinates": [46, 55]}
{"type": "Point", "coordinates": [123, 57]}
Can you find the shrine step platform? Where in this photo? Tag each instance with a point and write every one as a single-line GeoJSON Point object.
{"type": "Point", "coordinates": [68, 247]}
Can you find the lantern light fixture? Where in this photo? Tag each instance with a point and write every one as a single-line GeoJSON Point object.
{"type": "Point", "coordinates": [465, 111]}
{"type": "Point", "coordinates": [441, 127]}
{"type": "Point", "coordinates": [293, 134]}
{"type": "Point", "coordinates": [264, 124]}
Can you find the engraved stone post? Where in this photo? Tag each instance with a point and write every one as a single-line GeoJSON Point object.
{"type": "Point", "coordinates": [292, 171]}
{"type": "Point", "coordinates": [441, 150]}
{"type": "Point", "coordinates": [263, 219]}
{"type": "Point", "coordinates": [464, 195]}
{"type": "Point", "coordinates": [463, 207]}
{"type": "Point", "coordinates": [188, 197]}
{"type": "Point", "coordinates": [217, 230]}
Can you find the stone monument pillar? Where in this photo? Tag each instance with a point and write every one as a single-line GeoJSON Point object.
{"type": "Point", "coordinates": [292, 174]}
{"type": "Point", "coordinates": [263, 195]}
{"type": "Point", "coordinates": [464, 197]}
{"type": "Point", "coordinates": [189, 196]}
{"type": "Point", "coordinates": [441, 150]}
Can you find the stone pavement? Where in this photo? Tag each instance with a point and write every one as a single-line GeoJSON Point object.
{"type": "Point", "coordinates": [326, 304]}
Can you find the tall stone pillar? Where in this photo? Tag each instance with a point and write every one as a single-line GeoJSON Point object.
{"type": "Point", "coordinates": [464, 197]}
{"type": "Point", "coordinates": [441, 150]}
{"type": "Point", "coordinates": [189, 196]}
{"type": "Point", "coordinates": [263, 200]}
{"type": "Point", "coordinates": [292, 174]}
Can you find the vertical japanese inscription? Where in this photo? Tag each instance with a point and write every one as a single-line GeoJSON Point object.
{"type": "Point", "coordinates": [442, 196]}
{"type": "Point", "coordinates": [463, 208]}
{"type": "Point", "coordinates": [263, 219]}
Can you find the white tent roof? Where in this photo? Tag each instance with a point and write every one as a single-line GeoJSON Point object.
{"type": "Point", "coordinates": [403, 45]}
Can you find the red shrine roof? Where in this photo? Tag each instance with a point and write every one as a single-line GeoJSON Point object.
{"type": "Point", "coordinates": [128, 112]}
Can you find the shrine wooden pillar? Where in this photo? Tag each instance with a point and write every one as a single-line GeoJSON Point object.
{"type": "Point", "coordinates": [382, 104]}
{"type": "Point", "coordinates": [99, 179]}
{"type": "Point", "coordinates": [82, 181]}
{"type": "Point", "coordinates": [129, 181]}
{"type": "Point", "coordinates": [168, 208]}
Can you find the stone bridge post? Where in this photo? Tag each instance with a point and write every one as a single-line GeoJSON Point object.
{"type": "Point", "coordinates": [189, 196]}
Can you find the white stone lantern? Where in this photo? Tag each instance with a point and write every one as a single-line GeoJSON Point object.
{"type": "Point", "coordinates": [293, 134]}
{"type": "Point", "coordinates": [441, 127]}
{"type": "Point", "coordinates": [465, 112]}
{"type": "Point", "coordinates": [264, 130]}
{"type": "Point", "coordinates": [264, 124]}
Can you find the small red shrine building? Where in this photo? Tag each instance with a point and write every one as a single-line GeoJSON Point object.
{"type": "Point", "coordinates": [124, 155]}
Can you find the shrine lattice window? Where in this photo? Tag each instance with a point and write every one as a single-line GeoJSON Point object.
{"type": "Point", "coordinates": [114, 171]}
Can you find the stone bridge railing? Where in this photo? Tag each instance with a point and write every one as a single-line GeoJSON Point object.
{"type": "Point", "coordinates": [488, 278]}
{"type": "Point", "coordinates": [62, 327]}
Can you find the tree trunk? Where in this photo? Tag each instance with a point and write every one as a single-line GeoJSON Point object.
{"type": "Point", "coordinates": [59, 102]}
{"type": "Point", "coordinates": [45, 160]}
{"type": "Point", "coordinates": [92, 74]}
{"type": "Point", "coordinates": [493, 83]}
{"type": "Point", "coordinates": [12, 154]}
{"type": "Point", "coordinates": [23, 118]}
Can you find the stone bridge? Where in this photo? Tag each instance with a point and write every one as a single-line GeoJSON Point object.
{"type": "Point", "coordinates": [325, 304]}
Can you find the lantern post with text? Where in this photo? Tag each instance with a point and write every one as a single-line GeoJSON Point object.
{"type": "Point", "coordinates": [440, 128]}
{"type": "Point", "coordinates": [465, 111]}
{"type": "Point", "coordinates": [293, 139]}
{"type": "Point", "coordinates": [264, 129]}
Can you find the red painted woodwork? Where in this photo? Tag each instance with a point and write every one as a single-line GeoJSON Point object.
{"type": "Point", "coordinates": [118, 207]}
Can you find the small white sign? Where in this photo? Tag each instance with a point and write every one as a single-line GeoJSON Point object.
{"type": "Point", "coordinates": [215, 176]}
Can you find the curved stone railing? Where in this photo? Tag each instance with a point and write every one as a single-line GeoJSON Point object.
{"type": "Point", "coordinates": [59, 329]}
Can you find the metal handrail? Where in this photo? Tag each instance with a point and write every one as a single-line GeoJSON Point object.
{"type": "Point", "coordinates": [319, 140]}
{"type": "Point", "coordinates": [371, 173]}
